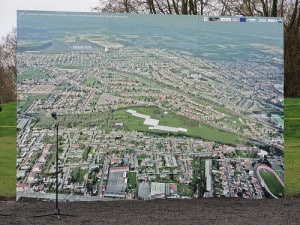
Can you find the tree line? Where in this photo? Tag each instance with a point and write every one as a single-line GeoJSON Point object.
{"type": "Point", "coordinates": [8, 70]}
{"type": "Point", "coordinates": [265, 8]}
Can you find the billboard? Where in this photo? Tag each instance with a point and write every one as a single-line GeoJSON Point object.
{"type": "Point", "coordinates": [149, 106]}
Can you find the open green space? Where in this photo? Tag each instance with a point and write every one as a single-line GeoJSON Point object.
{"type": "Point", "coordinates": [24, 105]}
{"type": "Point", "coordinates": [72, 67]}
{"type": "Point", "coordinates": [292, 147]}
{"type": "Point", "coordinates": [77, 174]}
{"type": "Point", "coordinates": [185, 190]}
{"type": "Point", "coordinates": [291, 108]}
{"type": "Point", "coordinates": [195, 129]}
{"type": "Point", "coordinates": [8, 119]}
{"type": "Point", "coordinates": [91, 82]}
{"type": "Point", "coordinates": [8, 166]}
{"type": "Point", "coordinates": [132, 180]}
{"type": "Point", "coordinates": [273, 184]}
{"type": "Point", "coordinates": [8, 150]}
{"type": "Point", "coordinates": [31, 74]}
{"type": "Point", "coordinates": [292, 167]}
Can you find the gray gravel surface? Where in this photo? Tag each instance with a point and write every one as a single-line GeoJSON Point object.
{"type": "Point", "coordinates": [194, 211]}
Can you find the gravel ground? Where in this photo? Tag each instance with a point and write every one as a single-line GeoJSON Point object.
{"type": "Point", "coordinates": [194, 211]}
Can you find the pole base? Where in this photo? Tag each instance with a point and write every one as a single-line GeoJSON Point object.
{"type": "Point", "coordinates": [55, 213]}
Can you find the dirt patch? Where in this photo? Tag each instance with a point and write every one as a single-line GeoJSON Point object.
{"type": "Point", "coordinates": [13, 198]}
{"type": "Point", "coordinates": [195, 211]}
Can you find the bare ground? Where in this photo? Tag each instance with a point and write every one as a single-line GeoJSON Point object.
{"type": "Point", "coordinates": [194, 211]}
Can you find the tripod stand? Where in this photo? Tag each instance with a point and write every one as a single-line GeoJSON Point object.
{"type": "Point", "coordinates": [56, 211]}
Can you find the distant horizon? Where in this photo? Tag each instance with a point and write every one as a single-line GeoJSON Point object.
{"type": "Point", "coordinates": [8, 9]}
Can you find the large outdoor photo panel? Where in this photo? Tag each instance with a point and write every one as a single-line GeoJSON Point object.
{"type": "Point", "coordinates": [149, 106]}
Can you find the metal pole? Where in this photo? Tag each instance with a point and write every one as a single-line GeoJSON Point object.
{"type": "Point", "coordinates": [56, 212]}
{"type": "Point", "coordinates": [56, 202]}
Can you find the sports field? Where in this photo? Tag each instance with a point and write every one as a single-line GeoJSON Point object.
{"type": "Point", "coordinates": [272, 183]}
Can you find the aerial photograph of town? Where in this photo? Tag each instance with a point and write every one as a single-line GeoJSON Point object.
{"type": "Point", "coordinates": [143, 107]}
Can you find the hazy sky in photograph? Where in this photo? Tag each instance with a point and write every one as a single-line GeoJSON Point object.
{"type": "Point", "coordinates": [8, 9]}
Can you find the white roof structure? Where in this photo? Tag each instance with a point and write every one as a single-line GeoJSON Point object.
{"type": "Point", "coordinates": [153, 123]}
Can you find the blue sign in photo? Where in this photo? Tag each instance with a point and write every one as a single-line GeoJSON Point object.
{"type": "Point", "coordinates": [243, 19]}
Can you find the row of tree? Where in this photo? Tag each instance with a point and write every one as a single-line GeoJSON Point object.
{"type": "Point", "coordinates": [8, 68]}
{"type": "Point", "coordinates": [292, 53]}
{"type": "Point", "coordinates": [265, 8]}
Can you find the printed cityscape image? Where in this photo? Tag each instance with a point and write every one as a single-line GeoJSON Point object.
{"type": "Point", "coordinates": [149, 106]}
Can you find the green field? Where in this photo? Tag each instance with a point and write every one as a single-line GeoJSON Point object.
{"type": "Point", "coordinates": [8, 150]}
{"type": "Point", "coordinates": [72, 67]}
{"type": "Point", "coordinates": [292, 146]}
{"type": "Point", "coordinates": [31, 74]}
{"type": "Point", "coordinates": [132, 180]}
{"type": "Point", "coordinates": [24, 105]}
{"type": "Point", "coordinates": [8, 115]}
{"type": "Point", "coordinates": [273, 184]}
{"type": "Point", "coordinates": [195, 129]}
